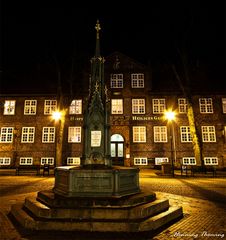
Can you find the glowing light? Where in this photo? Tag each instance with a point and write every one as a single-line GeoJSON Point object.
{"type": "Point", "coordinates": [170, 115]}
{"type": "Point", "coordinates": [56, 115]}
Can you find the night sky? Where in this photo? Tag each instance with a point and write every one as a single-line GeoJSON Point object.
{"type": "Point", "coordinates": [36, 41]}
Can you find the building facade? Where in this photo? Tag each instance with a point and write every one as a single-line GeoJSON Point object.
{"type": "Point", "coordinates": [140, 134]}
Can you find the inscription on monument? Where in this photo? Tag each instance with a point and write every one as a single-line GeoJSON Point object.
{"type": "Point", "coordinates": [95, 138]}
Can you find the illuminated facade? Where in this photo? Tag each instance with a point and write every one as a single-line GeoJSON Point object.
{"type": "Point", "coordinates": [140, 134]}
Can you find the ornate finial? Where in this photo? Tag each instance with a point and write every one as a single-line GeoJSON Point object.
{"type": "Point", "coordinates": [97, 27]}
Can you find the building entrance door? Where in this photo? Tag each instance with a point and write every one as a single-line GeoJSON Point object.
{"type": "Point", "coordinates": [117, 149]}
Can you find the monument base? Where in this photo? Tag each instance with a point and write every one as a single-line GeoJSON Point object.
{"type": "Point", "coordinates": [96, 181]}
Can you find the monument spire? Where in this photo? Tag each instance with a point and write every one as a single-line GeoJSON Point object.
{"type": "Point", "coordinates": [98, 28]}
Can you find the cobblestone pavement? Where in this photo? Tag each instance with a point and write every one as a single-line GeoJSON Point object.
{"type": "Point", "coordinates": [203, 201]}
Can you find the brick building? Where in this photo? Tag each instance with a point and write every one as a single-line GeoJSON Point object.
{"type": "Point", "coordinates": [140, 134]}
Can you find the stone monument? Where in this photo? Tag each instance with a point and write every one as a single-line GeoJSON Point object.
{"type": "Point", "coordinates": [96, 196]}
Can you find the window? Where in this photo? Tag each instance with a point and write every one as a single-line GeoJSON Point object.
{"type": "Point", "coordinates": [189, 161]}
{"type": "Point", "coordinates": [26, 161]}
{"type": "Point", "coordinates": [206, 105]}
{"type": "Point", "coordinates": [30, 107]}
{"type": "Point", "coordinates": [140, 161]}
{"type": "Point", "coordinates": [158, 106]}
{"type": "Point", "coordinates": [116, 80]}
{"type": "Point", "coordinates": [138, 106]}
{"type": "Point", "coordinates": [73, 161]}
{"type": "Point", "coordinates": [50, 107]}
{"type": "Point", "coordinates": [185, 134]}
{"type": "Point", "coordinates": [49, 161]}
{"type": "Point", "coordinates": [160, 134]}
{"type": "Point", "coordinates": [6, 135]}
{"type": "Point", "coordinates": [211, 161]}
{"type": "Point", "coordinates": [75, 107]}
{"type": "Point", "coordinates": [9, 107]}
{"type": "Point", "coordinates": [28, 135]}
{"type": "Point", "coordinates": [74, 134]}
{"type": "Point", "coordinates": [48, 134]}
{"type": "Point", "coordinates": [208, 134]}
{"type": "Point", "coordinates": [116, 106]}
{"type": "Point", "coordinates": [137, 80]}
{"type": "Point", "coordinates": [182, 105]}
{"type": "Point", "coordinates": [139, 134]}
{"type": "Point", "coordinates": [224, 105]}
{"type": "Point", "coordinates": [159, 161]}
{"type": "Point", "coordinates": [5, 161]}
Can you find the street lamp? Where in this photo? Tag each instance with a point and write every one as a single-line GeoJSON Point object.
{"type": "Point", "coordinates": [170, 116]}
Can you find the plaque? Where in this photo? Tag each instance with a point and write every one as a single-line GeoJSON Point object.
{"type": "Point", "coordinates": [95, 138]}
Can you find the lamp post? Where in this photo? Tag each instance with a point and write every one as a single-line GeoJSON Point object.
{"type": "Point", "coordinates": [58, 117]}
{"type": "Point", "coordinates": [170, 116]}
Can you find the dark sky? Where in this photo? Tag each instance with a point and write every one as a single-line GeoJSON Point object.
{"type": "Point", "coordinates": [37, 40]}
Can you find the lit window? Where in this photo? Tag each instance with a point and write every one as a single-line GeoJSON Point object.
{"type": "Point", "coordinates": [5, 161]}
{"type": "Point", "coordinates": [224, 105]}
{"type": "Point", "coordinates": [185, 134]}
{"type": "Point", "coordinates": [6, 135]}
{"type": "Point", "coordinates": [160, 134]}
{"type": "Point", "coordinates": [211, 161]}
{"type": "Point", "coordinates": [206, 105]}
{"type": "Point", "coordinates": [159, 161]}
{"type": "Point", "coordinates": [9, 107]}
{"type": "Point", "coordinates": [48, 134]}
{"type": "Point", "coordinates": [208, 134]}
{"type": "Point", "coordinates": [182, 105]}
{"type": "Point", "coordinates": [139, 134]}
{"type": "Point", "coordinates": [116, 106]}
{"type": "Point", "coordinates": [189, 161]}
{"type": "Point", "coordinates": [159, 106]}
{"type": "Point", "coordinates": [46, 160]}
{"type": "Point", "coordinates": [26, 161]}
{"type": "Point", "coordinates": [74, 134]}
{"type": "Point", "coordinates": [138, 106]}
{"type": "Point", "coordinates": [116, 80]}
{"type": "Point", "coordinates": [73, 161]}
{"type": "Point", "coordinates": [28, 135]}
{"type": "Point", "coordinates": [75, 107]}
{"type": "Point", "coordinates": [137, 80]}
{"type": "Point", "coordinates": [50, 107]}
{"type": "Point", "coordinates": [30, 107]}
{"type": "Point", "coordinates": [140, 161]}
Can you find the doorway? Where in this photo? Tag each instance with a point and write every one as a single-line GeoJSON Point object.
{"type": "Point", "coordinates": [117, 149]}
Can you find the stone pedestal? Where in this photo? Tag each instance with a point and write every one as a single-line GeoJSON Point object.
{"type": "Point", "coordinates": [98, 182]}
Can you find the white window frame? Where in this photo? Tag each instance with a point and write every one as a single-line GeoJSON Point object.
{"type": "Point", "coordinates": [9, 107]}
{"type": "Point", "coordinates": [6, 135]}
{"type": "Point", "coordinates": [75, 107]}
{"type": "Point", "coordinates": [26, 161]}
{"type": "Point", "coordinates": [140, 161]}
{"type": "Point", "coordinates": [50, 106]}
{"type": "Point", "coordinates": [47, 160]}
{"type": "Point", "coordinates": [117, 80]}
{"type": "Point", "coordinates": [48, 134]}
{"type": "Point", "coordinates": [73, 161]}
{"type": "Point", "coordinates": [161, 160]}
{"type": "Point", "coordinates": [224, 105]}
{"type": "Point", "coordinates": [159, 105]}
{"type": "Point", "coordinates": [116, 106]}
{"type": "Point", "coordinates": [185, 134]}
{"type": "Point", "coordinates": [208, 134]}
{"type": "Point", "coordinates": [211, 161]}
{"type": "Point", "coordinates": [182, 105]}
{"type": "Point", "coordinates": [30, 107]}
{"type": "Point", "coordinates": [160, 134]}
{"type": "Point", "coordinates": [5, 161]}
{"type": "Point", "coordinates": [206, 105]}
{"type": "Point", "coordinates": [28, 134]}
{"type": "Point", "coordinates": [138, 106]}
{"type": "Point", "coordinates": [189, 161]}
{"type": "Point", "coordinates": [137, 80]}
{"type": "Point", "coordinates": [74, 134]}
{"type": "Point", "coordinates": [139, 134]}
